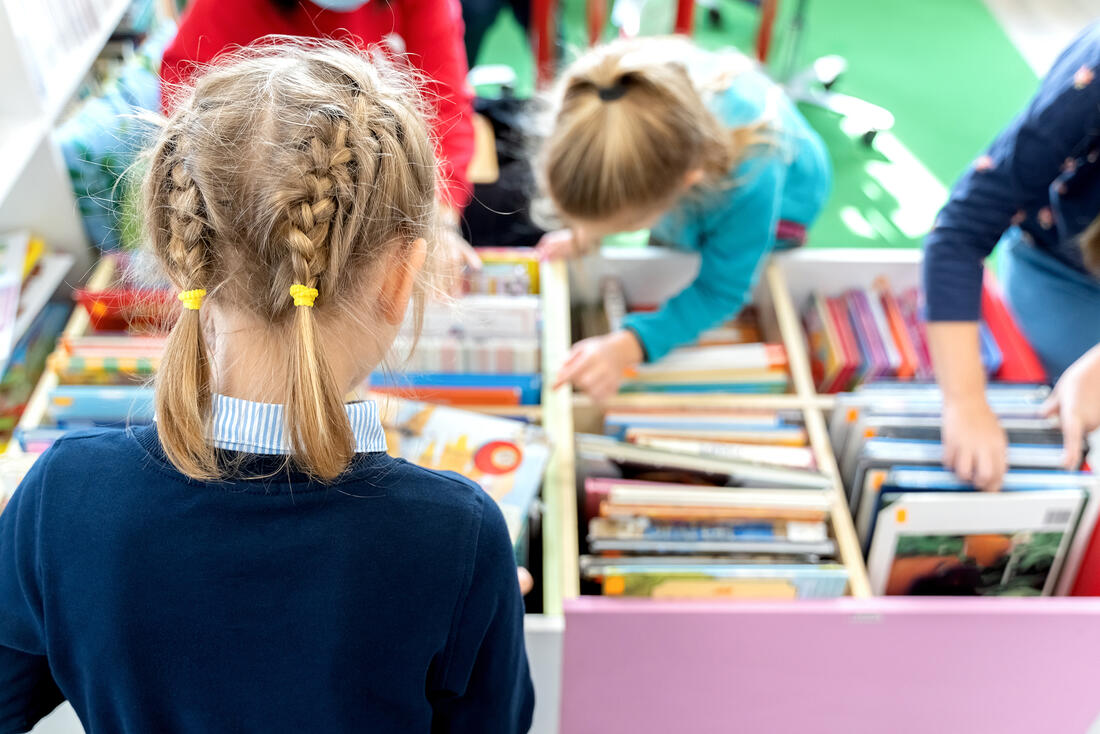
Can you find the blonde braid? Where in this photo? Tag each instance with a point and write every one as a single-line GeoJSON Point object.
{"type": "Point", "coordinates": [316, 421]}
{"type": "Point", "coordinates": [185, 411]}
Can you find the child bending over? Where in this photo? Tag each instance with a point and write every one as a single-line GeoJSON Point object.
{"type": "Point", "coordinates": [703, 149]}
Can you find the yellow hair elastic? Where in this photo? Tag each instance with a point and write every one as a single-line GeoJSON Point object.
{"type": "Point", "coordinates": [303, 296]}
{"type": "Point", "coordinates": [192, 299]}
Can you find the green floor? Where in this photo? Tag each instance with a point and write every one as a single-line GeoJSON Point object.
{"type": "Point", "coordinates": [944, 68]}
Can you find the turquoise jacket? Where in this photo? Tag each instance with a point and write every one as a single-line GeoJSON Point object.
{"type": "Point", "coordinates": [733, 225]}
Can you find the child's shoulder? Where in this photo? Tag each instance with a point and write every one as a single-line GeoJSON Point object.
{"type": "Point", "coordinates": [443, 490]}
{"type": "Point", "coordinates": [89, 444]}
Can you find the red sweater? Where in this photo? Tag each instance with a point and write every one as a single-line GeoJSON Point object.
{"type": "Point", "coordinates": [432, 31]}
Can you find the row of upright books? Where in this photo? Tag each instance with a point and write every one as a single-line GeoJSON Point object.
{"type": "Point", "coordinates": [689, 500]}
{"type": "Point", "coordinates": [874, 333]}
{"type": "Point", "coordinates": [925, 532]}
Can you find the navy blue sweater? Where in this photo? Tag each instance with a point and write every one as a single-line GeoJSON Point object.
{"type": "Point", "coordinates": [1042, 173]}
{"type": "Point", "coordinates": [385, 602]}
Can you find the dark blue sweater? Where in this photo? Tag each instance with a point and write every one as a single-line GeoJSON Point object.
{"type": "Point", "coordinates": [1042, 173]}
{"type": "Point", "coordinates": [386, 602]}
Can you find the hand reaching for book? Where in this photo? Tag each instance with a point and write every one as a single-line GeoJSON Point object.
{"type": "Point", "coordinates": [455, 254]}
{"type": "Point", "coordinates": [975, 446]}
{"type": "Point", "coordinates": [1076, 402]}
{"type": "Point", "coordinates": [597, 365]}
{"type": "Point", "coordinates": [563, 243]}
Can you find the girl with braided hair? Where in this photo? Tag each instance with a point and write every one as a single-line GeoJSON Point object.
{"type": "Point", "coordinates": [255, 561]}
{"type": "Point", "coordinates": [702, 149]}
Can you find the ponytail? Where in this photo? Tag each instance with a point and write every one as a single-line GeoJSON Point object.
{"type": "Point", "coordinates": [184, 393]}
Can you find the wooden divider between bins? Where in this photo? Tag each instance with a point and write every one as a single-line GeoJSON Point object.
{"type": "Point", "coordinates": [802, 378]}
{"type": "Point", "coordinates": [561, 567]}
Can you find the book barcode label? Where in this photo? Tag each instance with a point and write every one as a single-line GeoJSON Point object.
{"type": "Point", "coordinates": [1057, 517]}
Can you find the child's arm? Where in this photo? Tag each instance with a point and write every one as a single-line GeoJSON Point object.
{"type": "Point", "coordinates": [27, 689]}
{"type": "Point", "coordinates": [1012, 180]}
{"type": "Point", "coordinates": [737, 236]}
{"type": "Point", "coordinates": [485, 683]}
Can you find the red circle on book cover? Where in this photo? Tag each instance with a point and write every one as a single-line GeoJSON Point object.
{"type": "Point", "coordinates": [498, 457]}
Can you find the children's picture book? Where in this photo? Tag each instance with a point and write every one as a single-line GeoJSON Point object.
{"type": "Point", "coordinates": [972, 544]}
{"type": "Point", "coordinates": [925, 479]}
{"type": "Point", "coordinates": [506, 457]}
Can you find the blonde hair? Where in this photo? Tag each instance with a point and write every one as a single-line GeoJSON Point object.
{"type": "Point", "coordinates": [629, 124]}
{"type": "Point", "coordinates": [290, 162]}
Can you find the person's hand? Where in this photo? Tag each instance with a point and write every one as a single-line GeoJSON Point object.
{"type": "Point", "coordinates": [1076, 402]}
{"type": "Point", "coordinates": [456, 254]}
{"type": "Point", "coordinates": [974, 444]}
{"type": "Point", "coordinates": [526, 583]}
{"type": "Point", "coordinates": [562, 243]}
{"type": "Point", "coordinates": [597, 365]}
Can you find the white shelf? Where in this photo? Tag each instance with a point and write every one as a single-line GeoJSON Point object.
{"type": "Point", "coordinates": [77, 63]}
{"type": "Point", "coordinates": [52, 270]}
{"type": "Point", "coordinates": [18, 140]}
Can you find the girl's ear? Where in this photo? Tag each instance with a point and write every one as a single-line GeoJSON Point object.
{"type": "Point", "coordinates": [693, 177]}
{"type": "Point", "coordinates": [397, 284]}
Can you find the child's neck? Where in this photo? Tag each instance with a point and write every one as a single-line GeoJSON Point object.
{"type": "Point", "coordinates": [250, 363]}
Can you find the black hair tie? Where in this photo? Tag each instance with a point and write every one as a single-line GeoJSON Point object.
{"type": "Point", "coordinates": [612, 93]}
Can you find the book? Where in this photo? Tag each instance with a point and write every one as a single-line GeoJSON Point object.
{"type": "Point", "coordinates": [715, 581]}
{"type": "Point", "coordinates": [736, 471]}
{"type": "Point", "coordinates": [529, 386]}
{"type": "Point", "coordinates": [909, 361]}
{"type": "Point", "coordinates": [826, 359]}
{"type": "Point", "coordinates": [84, 405]}
{"type": "Point", "coordinates": [890, 353]}
{"type": "Point", "coordinates": [883, 453]}
{"type": "Point", "coordinates": [975, 544]}
{"type": "Point", "coordinates": [923, 479]}
{"type": "Point", "coordinates": [777, 436]}
{"type": "Point", "coordinates": [507, 458]}
{"type": "Point", "coordinates": [794, 457]}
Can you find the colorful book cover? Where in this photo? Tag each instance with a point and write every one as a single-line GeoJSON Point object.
{"type": "Point", "coordinates": [826, 359]}
{"type": "Point", "coordinates": [529, 386]}
{"type": "Point", "coordinates": [882, 330]}
{"type": "Point", "coordinates": [507, 458]}
{"type": "Point", "coordinates": [907, 352]}
{"type": "Point", "coordinates": [853, 359]}
{"type": "Point", "coordinates": [972, 544]}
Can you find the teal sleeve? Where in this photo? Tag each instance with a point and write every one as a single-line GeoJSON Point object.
{"type": "Point", "coordinates": [736, 236]}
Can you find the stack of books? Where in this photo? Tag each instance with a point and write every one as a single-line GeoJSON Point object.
{"type": "Point", "coordinates": [688, 499]}
{"type": "Point", "coordinates": [875, 333]}
{"type": "Point", "coordinates": [927, 533]}
{"type": "Point", "coordinates": [481, 349]}
{"type": "Point", "coordinates": [683, 524]}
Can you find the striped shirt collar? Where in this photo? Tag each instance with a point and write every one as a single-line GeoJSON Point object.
{"type": "Point", "coordinates": [257, 428]}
